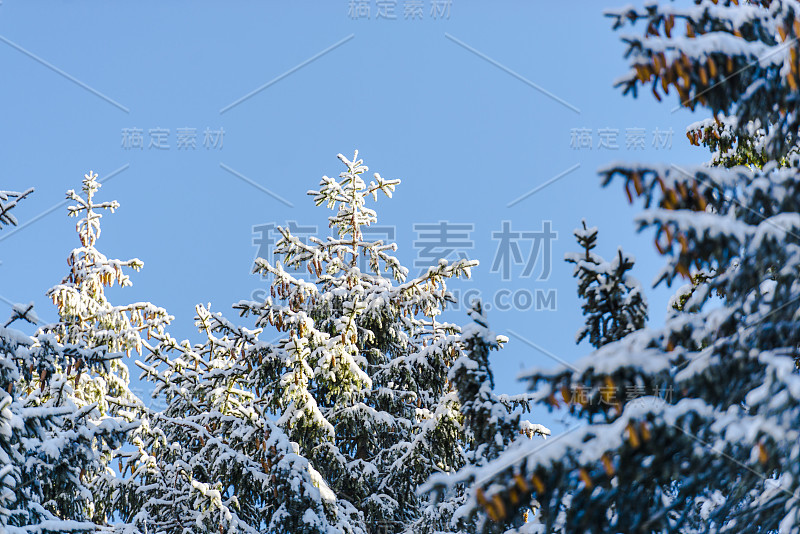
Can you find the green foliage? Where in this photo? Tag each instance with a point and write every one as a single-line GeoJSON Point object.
{"type": "Point", "coordinates": [718, 453]}
{"type": "Point", "coordinates": [614, 303]}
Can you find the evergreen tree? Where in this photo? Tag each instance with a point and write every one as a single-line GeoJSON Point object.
{"type": "Point", "coordinates": [358, 386]}
{"type": "Point", "coordinates": [360, 382]}
{"type": "Point", "coordinates": [614, 303]}
{"type": "Point", "coordinates": [491, 421]}
{"type": "Point", "coordinates": [214, 460]}
{"type": "Point", "coordinates": [86, 317]}
{"type": "Point", "coordinates": [719, 452]}
{"type": "Point", "coordinates": [46, 451]}
{"type": "Point", "coordinates": [492, 424]}
{"type": "Point", "coordinates": [93, 384]}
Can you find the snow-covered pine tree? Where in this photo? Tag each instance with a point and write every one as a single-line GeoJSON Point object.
{"type": "Point", "coordinates": [50, 451]}
{"type": "Point", "coordinates": [712, 446]}
{"type": "Point", "coordinates": [492, 424]}
{"type": "Point", "coordinates": [44, 449]}
{"type": "Point", "coordinates": [214, 460]}
{"type": "Point", "coordinates": [614, 304]}
{"type": "Point", "coordinates": [358, 383]}
{"type": "Point", "coordinates": [491, 421]}
{"type": "Point", "coordinates": [88, 319]}
{"type": "Point", "coordinates": [92, 385]}
{"type": "Point", "coordinates": [360, 380]}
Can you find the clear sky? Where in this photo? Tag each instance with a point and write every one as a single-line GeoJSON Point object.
{"type": "Point", "coordinates": [214, 119]}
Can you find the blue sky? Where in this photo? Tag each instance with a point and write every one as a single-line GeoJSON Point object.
{"type": "Point", "coordinates": [473, 107]}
